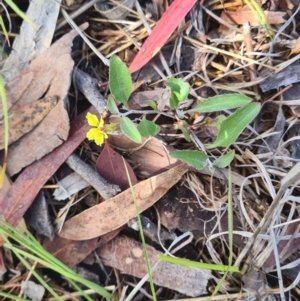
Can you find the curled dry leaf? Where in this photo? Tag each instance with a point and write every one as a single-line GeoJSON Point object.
{"type": "Point", "coordinates": [23, 119]}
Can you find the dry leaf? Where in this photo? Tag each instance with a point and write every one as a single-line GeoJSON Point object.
{"type": "Point", "coordinates": [244, 15]}
{"type": "Point", "coordinates": [23, 119]}
{"type": "Point", "coordinates": [32, 41]}
{"type": "Point", "coordinates": [117, 211]}
{"type": "Point", "coordinates": [126, 255]}
{"type": "Point", "coordinates": [158, 158]}
{"type": "Point", "coordinates": [296, 48]}
{"type": "Point", "coordinates": [50, 74]}
{"type": "Point", "coordinates": [161, 33]}
{"type": "Point", "coordinates": [110, 165]}
{"type": "Point", "coordinates": [140, 99]}
{"type": "Point", "coordinates": [72, 252]}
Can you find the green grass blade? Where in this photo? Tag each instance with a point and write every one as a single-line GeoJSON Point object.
{"type": "Point", "coordinates": [142, 235]}
{"type": "Point", "coordinates": [4, 31]}
{"type": "Point", "coordinates": [6, 128]}
{"type": "Point", "coordinates": [46, 259]}
{"type": "Point", "coordinates": [12, 297]}
{"type": "Point", "coordinates": [230, 235]}
{"type": "Point", "coordinates": [28, 266]}
{"type": "Point", "coordinates": [260, 16]}
{"type": "Point", "coordinates": [200, 265]}
{"type": "Point", "coordinates": [15, 8]}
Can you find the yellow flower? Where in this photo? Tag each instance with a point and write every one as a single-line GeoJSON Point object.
{"type": "Point", "coordinates": [99, 130]}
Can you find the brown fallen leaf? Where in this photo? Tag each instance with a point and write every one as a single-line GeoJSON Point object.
{"type": "Point", "coordinates": [72, 252]}
{"type": "Point", "coordinates": [158, 158]}
{"type": "Point", "coordinates": [296, 48]}
{"type": "Point", "coordinates": [244, 15]}
{"type": "Point", "coordinates": [110, 166]}
{"type": "Point", "coordinates": [126, 255]}
{"type": "Point", "coordinates": [117, 211]}
{"type": "Point", "coordinates": [49, 74]}
{"type": "Point", "coordinates": [139, 100]}
{"type": "Point", "coordinates": [23, 119]}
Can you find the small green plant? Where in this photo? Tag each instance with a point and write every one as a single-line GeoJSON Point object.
{"type": "Point", "coordinates": [229, 128]}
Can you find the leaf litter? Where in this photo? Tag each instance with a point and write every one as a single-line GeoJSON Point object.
{"type": "Point", "coordinates": [216, 54]}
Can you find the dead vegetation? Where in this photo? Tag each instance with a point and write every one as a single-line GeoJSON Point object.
{"type": "Point", "coordinates": [220, 47]}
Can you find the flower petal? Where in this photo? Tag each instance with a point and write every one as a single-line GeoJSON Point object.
{"type": "Point", "coordinates": [99, 138]}
{"type": "Point", "coordinates": [92, 133]}
{"type": "Point", "coordinates": [101, 123]}
{"type": "Point", "coordinates": [92, 119]}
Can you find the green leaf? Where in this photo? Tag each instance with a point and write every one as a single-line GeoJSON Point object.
{"type": "Point", "coordinates": [152, 104]}
{"type": "Point", "coordinates": [173, 101]}
{"type": "Point", "coordinates": [179, 87]}
{"type": "Point", "coordinates": [183, 126]}
{"type": "Point", "coordinates": [128, 128]}
{"type": "Point", "coordinates": [148, 128]}
{"type": "Point", "coordinates": [221, 102]}
{"type": "Point", "coordinates": [196, 159]}
{"type": "Point", "coordinates": [233, 125]}
{"type": "Point", "coordinates": [224, 160]}
{"type": "Point", "coordinates": [179, 91]}
{"type": "Point", "coordinates": [112, 106]}
{"type": "Point", "coordinates": [218, 122]}
{"type": "Point", "coordinates": [120, 82]}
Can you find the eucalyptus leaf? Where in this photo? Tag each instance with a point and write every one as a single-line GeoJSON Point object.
{"type": "Point", "coordinates": [120, 82]}
{"type": "Point", "coordinates": [148, 128]}
{"type": "Point", "coordinates": [221, 102]}
{"type": "Point", "coordinates": [224, 160]}
{"type": "Point", "coordinates": [195, 159]}
{"type": "Point", "coordinates": [129, 129]}
{"type": "Point", "coordinates": [112, 106]}
{"type": "Point", "coordinates": [233, 125]}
